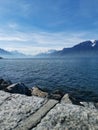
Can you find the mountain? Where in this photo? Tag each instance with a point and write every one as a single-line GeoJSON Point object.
{"type": "Point", "coordinates": [86, 48]}
{"type": "Point", "coordinates": [4, 52]}
{"type": "Point", "coordinates": [17, 54]}
{"type": "Point", "coordinates": [11, 54]}
{"type": "Point", "coordinates": [46, 54]}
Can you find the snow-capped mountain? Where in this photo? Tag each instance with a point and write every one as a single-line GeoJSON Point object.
{"type": "Point", "coordinates": [86, 48]}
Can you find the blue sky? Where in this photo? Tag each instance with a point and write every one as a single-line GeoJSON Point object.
{"type": "Point", "coordinates": [34, 26]}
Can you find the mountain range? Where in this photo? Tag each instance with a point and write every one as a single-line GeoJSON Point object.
{"type": "Point", "coordinates": [86, 48]}
{"type": "Point", "coordinates": [11, 54]}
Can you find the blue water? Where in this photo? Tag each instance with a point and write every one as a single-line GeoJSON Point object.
{"type": "Point", "coordinates": [74, 75]}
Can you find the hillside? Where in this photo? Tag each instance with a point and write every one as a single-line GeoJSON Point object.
{"type": "Point", "coordinates": [84, 48]}
{"type": "Point", "coordinates": [11, 54]}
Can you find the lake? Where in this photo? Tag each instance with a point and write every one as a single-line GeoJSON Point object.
{"type": "Point", "coordinates": [78, 76]}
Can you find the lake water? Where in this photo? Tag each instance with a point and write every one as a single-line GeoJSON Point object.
{"type": "Point", "coordinates": [74, 75]}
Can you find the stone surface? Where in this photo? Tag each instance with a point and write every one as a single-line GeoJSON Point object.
{"type": "Point", "coordinates": [57, 95]}
{"type": "Point", "coordinates": [19, 88]}
{"type": "Point", "coordinates": [96, 105]}
{"type": "Point", "coordinates": [34, 119]}
{"type": "Point", "coordinates": [66, 99]}
{"type": "Point", "coordinates": [70, 117]}
{"type": "Point", "coordinates": [90, 105]}
{"type": "Point", "coordinates": [4, 84]}
{"type": "Point", "coordinates": [71, 100]}
{"type": "Point", "coordinates": [38, 92]}
{"type": "Point", "coordinates": [15, 107]}
{"type": "Point", "coordinates": [21, 112]}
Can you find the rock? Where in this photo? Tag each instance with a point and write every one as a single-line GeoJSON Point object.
{"type": "Point", "coordinates": [57, 94]}
{"type": "Point", "coordinates": [90, 105]}
{"type": "Point", "coordinates": [66, 99]}
{"type": "Point", "coordinates": [34, 119]}
{"type": "Point", "coordinates": [19, 88]}
{"type": "Point", "coordinates": [21, 112]}
{"type": "Point", "coordinates": [4, 84]}
{"type": "Point", "coordinates": [38, 92]}
{"type": "Point", "coordinates": [70, 100]}
{"type": "Point", "coordinates": [96, 105]}
{"type": "Point", "coordinates": [15, 108]}
{"type": "Point", "coordinates": [75, 101]}
{"type": "Point", "coordinates": [69, 117]}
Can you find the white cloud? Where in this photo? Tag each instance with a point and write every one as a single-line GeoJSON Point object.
{"type": "Point", "coordinates": [36, 42]}
{"type": "Point", "coordinates": [13, 38]}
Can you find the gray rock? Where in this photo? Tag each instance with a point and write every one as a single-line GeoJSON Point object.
{"type": "Point", "coordinates": [15, 108]}
{"type": "Point", "coordinates": [19, 88]}
{"type": "Point", "coordinates": [4, 84]}
{"type": "Point", "coordinates": [3, 97]}
{"type": "Point", "coordinates": [69, 117]}
{"type": "Point", "coordinates": [90, 105]}
{"type": "Point", "coordinates": [96, 105]}
{"type": "Point", "coordinates": [34, 119]}
{"type": "Point", "coordinates": [57, 95]}
{"type": "Point", "coordinates": [21, 112]}
{"type": "Point", "coordinates": [70, 100]}
{"type": "Point", "coordinates": [38, 92]}
{"type": "Point", "coordinates": [66, 99]}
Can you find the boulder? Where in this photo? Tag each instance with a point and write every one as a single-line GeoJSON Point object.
{"type": "Point", "coordinates": [66, 99]}
{"type": "Point", "coordinates": [69, 99]}
{"type": "Point", "coordinates": [69, 117]}
{"type": "Point", "coordinates": [19, 88]}
{"type": "Point", "coordinates": [57, 94]}
{"type": "Point", "coordinates": [36, 91]}
{"type": "Point", "coordinates": [4, 84]}
{"type": "Point", "coordinates": [90, 105]}
{"type": "Point", "coordinates": [15, 108]}
{"type": "Point", "coordinates": [96, 105]}
{"type": "Point", "coordinates": [75, 101]}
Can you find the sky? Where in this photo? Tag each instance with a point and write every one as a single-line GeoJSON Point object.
{"type": "Point", "coordinates": [35, 26]}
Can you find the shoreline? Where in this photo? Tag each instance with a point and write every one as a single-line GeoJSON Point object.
{"type": "Point", "coordinates": [35, 109]}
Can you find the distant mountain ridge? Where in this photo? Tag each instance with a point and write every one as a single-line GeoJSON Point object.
{"type": "Point", "coordinates": [11, 54]}
{"type": "Point", "coordinates": [45, 54]}
{"type": "Point", "coordinates": [4, 52]}
{"type": "Point", "coordinates": [83, 48]}
{"type": "Point", "coordinates": [86, 48]}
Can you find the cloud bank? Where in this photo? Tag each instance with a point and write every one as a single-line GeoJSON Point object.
{"type": "Point", "coordinates": [34, 26]}
{"type": "Point", "coordinates": [36, 42]}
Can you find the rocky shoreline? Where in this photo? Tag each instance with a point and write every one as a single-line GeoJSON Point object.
{"type": "Point", "coordinates": [23, 108]}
